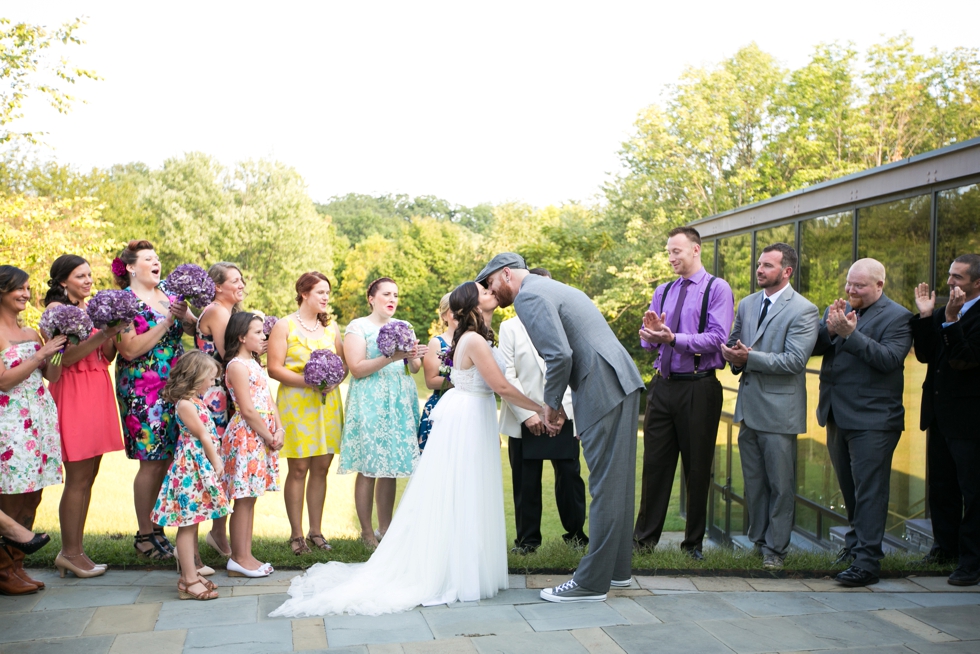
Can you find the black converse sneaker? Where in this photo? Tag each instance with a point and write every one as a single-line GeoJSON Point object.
{"type": "Point", "coordinates": [571, 592]}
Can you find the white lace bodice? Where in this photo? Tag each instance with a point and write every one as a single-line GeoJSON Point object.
{"type": "Point", "coordinates": [470, 380]}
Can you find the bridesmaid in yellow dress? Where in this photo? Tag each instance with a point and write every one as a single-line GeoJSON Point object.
{"type": "Point", "coordinates": [313, 426]}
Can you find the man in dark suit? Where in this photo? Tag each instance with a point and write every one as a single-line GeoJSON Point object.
{"type": "Point", "coordinates": [948, 340]}
{"type": "Point", "coordinates": [864, 342]}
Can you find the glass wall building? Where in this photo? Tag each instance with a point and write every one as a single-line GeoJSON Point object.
{"type": "Point", "coordinates": [915, 216]}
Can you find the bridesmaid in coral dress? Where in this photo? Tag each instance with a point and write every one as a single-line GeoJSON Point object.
{"type": "Point", "coordinates": [87, 412]}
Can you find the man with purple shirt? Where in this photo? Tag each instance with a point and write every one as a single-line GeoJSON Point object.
{"type": "Point", "coordinates": [688, 322]}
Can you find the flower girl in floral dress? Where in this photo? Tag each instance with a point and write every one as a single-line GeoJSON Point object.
{"type": "Point", "coordinates": [251, 441]}
{"type": "Point", "coordinates": [191, 492]}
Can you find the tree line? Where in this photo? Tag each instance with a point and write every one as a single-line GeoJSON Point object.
{"type": "Point", "coordinates": [724, 135]}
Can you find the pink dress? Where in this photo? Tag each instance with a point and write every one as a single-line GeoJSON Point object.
{"type": "Point", "coordinates": [87, 411]}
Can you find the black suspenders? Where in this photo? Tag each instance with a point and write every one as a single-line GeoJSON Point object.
{"type": "Point", "coordinates": [704, 311]}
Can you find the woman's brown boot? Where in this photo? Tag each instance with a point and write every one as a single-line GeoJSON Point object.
{"type": "Point", "coordinates": [10, 583]}
{"type": "Point", "coordinates": [18, 567]}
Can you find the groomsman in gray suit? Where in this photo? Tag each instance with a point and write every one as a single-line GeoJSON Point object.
{"type": "Point", "coordinates": [581, 351]}
{"type": "Point", "coordinates": [864, 342]}
{"type": "Point", "coordinates": [774, 333]}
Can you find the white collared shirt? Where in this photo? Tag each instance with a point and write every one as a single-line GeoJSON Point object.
{"type": "Point", "coordinates": [772, 298]}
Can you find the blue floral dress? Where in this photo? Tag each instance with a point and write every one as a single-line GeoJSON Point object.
{"type": "Point", "coordinates": [382, 416]}
{"type": "Point", "coordinates": [191, 491]}
{"type": "Point", "coordinates": [425, 425]}
{"type": "Point", "coordinates": [149, 430]}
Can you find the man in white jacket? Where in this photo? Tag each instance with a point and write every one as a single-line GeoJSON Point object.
{"type": "Point", "coordinates": [529, 445]}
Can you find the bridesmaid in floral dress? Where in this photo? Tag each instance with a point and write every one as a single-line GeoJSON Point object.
{"type": "Point", "coordinates": [381, 429]}
{"type": "Point", "coordinates": [30, 444]}
{"type": "Point", "coordinates": [431, 364]}
{"type": "Point", "coordinates": [313, 423]}
{"type": "Point", "coordinates": [209, 337]}
{"type": "Point", "coordinates": [147, 352]}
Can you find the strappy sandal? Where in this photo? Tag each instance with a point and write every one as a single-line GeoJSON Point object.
{"type": "Point", "coordinates": [164, 541]}
{"type": "Point", "coordinates": [157, 553]}
{"type": "Point", "coordinates": [318, 541]}
{"type": "Point", "coordinates": [298, 545]}
{"type": "Point", "coordinates": [184, 592]}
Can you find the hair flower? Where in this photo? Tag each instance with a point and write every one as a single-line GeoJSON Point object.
{"type": "Point", "coordinates": [118, 267]}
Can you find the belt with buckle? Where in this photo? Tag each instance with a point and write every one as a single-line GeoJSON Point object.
{"type": "Point", "coordinates": [688, 376]}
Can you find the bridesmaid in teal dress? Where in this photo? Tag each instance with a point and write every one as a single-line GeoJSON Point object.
{"type": "Point", "coordinates": [382, 413]}
{"type": "Point", "coordinates": [431, 365]}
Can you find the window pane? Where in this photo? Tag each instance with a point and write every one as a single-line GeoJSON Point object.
{"type": "Point", "coordinates": [825, 256]}
{"type": "Point", "coordinates": [781, 234]}
{"type": "Point", "coordinates": [735, 264]}
{"type": "Point", "coordinates": [959, 231]}
{"type": "Point", "coordinates": [897, 235]}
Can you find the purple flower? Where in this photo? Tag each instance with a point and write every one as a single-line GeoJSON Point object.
{"type": "Point", "coordinates": [445, 369]}
{"type": "Point", "coordinates": [268, 324]}
{"type": "Point", "coordinates": [396, 336]}
{"type": "Point", "coordinates": [67, 320]}
{"type": "Point", "coordinates": [111, 307]}
{"type": "Point", "coordinates": [191, 283]}
{"type": "Point", "coordinates": [324, 369]}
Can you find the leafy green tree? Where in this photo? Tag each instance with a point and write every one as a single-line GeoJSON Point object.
{"type": "Point", "coordinates": [30, 66]}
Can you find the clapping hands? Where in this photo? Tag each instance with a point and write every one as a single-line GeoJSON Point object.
{"type": "Point", "coordinates": [840, 322]}
{"type": "Point", "coordinates": [655, 329]}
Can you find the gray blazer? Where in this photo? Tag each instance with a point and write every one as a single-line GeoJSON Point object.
{"type": "Point", "coordinates": [772, 388]}
{"type": "Point", "coordinates": [578, 347]}
{"type": "Point", "coordinates": [862, 377]}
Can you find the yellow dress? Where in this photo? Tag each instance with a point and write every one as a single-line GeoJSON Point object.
{"type": "Point", "coordinates": [311, 428]}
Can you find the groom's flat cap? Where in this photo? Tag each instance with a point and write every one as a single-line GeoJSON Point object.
{"type": "Point", "coordinates": [502, 260]}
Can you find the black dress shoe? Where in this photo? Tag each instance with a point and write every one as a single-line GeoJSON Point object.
{"type": "Point", "coordinates": [695, 554]}
{"type": "Point", "coordinates": [854, 577]}
{"type": "Point", "coordinates": [31, 546]}
{"type": "Point", "coordinates": [964, 577]}
{"type": "Point", "coordinates": [844, 556]}
{"type": "Point", "coordinates": [524, 549]}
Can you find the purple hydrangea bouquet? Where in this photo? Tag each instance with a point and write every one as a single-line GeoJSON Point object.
{"type": "Point", "coordinates": [191, 283]}
{"type": "Point", "coordinates": [396, 336]}
{"type": "Point", "coordinates": [112, 307]}
{"type": "Point", "coordinates": [67, 320]}
{"type": "Point", "coordinates": [324, 369]}
{"type": "Point", "coordinates": [267, 324]}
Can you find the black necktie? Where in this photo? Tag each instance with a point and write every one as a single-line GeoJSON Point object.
{"type": "Point", "coordinates": [765, 310]}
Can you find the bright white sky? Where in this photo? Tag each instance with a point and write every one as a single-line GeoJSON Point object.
{"type": "Point", "coordinates": [471, 102]}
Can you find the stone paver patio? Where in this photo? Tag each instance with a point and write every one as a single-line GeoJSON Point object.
{"type": "Point", "coordinates": [137, 612]}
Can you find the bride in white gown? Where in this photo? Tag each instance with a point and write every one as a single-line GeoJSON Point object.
{"type": "Point", "coordinates": [447, 541]}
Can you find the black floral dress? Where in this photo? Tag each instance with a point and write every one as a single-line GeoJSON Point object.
{"type": "Point", "coordinates": [149, 428]}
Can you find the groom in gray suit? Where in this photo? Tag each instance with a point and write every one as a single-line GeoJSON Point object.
{"type": "Point", "coordinates": [772, 339]}
{"type": "Point", "coordinates": [581, 351]}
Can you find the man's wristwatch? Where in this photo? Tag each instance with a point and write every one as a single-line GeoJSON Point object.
{"type": "Point", "coordinates": [673, 343]}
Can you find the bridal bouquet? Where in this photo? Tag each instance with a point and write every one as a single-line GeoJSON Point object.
{"type": "Point", "coordinates": [324, 369]}
{"type": "Point", "coordinates": [191, 283]}
{"type": "Point", "coordinates": [67, 320]}
{"type": "Point", "coordinates": [396, 336]}
{"type": "Point", "coordinates": [112, 307]}
{"type": "Point", "coordinates": [267, 324]}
